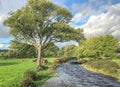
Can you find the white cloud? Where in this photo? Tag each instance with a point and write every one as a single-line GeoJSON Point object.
{"type": "Point", "coordinates": [60, 44]}
{"type": "Point", "coordinates": [1, 45]}
{"type": "Point", "coordinates": [77, 17]}
{"type": "Point", "coordinates": [0, 19]}
{"type": "Point", "coordinates": [116, 33]}
{"type": "Point", "coordinates": [5, 7]}
{"type": "Point", "coordinates": [4, 31]}
{"type": "Point", "coordinates": [83, 11]}
{"type": "Point", "coordinates": [86, 9]}
{"type": "Point", "coordinates": [104, 23]}
{"type": "Point", "coordinates": [4, 46]}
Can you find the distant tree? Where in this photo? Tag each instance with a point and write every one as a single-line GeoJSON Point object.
{"type": "Point", "coordinates": [61, 52]}
{"type": "Point", "coordinates": [98, 46]}
{"type": "Point", "coordinates": [109, 45]}
{"type": "Point", "coordinates": [21, 50]}
{"type": "Point", "coordinates": [50, 51]}
{"type": "Point", "coordinates": [118, 50]}
{"type": "Point", "coordinates": [67, 51]}
{"type": "Point", "coordinates": [41, 22]}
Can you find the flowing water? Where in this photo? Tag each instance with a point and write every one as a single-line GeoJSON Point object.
{"type": "Point", "coordinates": [74, 75]}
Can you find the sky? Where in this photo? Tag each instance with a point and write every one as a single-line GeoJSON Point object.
{"type": "Point", "coordinates": [95, 17]}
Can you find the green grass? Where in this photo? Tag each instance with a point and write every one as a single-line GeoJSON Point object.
{"type": "Point", "coordinates": [117, 61]}
{"type": "Point", "coordinates": [11, 71]}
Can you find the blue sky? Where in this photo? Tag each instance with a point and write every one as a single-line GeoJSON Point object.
{"type": "Point", "coordinates": [96, 17]}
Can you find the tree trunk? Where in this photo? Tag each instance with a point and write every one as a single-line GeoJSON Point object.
{"type": "Point", "coordinates": [39, 62]}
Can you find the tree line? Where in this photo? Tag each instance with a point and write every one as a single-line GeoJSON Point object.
{"type": "Point", "coordinates": [94, 47]}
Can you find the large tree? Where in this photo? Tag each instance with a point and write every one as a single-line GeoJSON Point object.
{"type": "Point", "coordinates": [41, 22]}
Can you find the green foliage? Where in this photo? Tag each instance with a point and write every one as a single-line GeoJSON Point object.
{"type": "Point", "coordinates": [65, 59]}
{"type": "Point", "coordinates": [41, 22]}
{"type": "Point", "coordinates": [67, 51]}
{"type": "Point", "coordinates": [61, 52]}
{"type": "Point", "coordinates": [11, 71]}
{"type": "Point", "coordinates": [97, 64]}
{"type": "Point", "coordinates": [30, 74]}
{"type": "Point", "coordinates": [50, 51]}
{"type": "Point", "coordinates": [111, 67]}
{"type": "Point", "coordinates": [105, 65]}
{"type": "Point", "coordinates": [21, 50]}
{"type": "Point", "coordinates": [98, 46]}
{"type": "Point", "coordinates": [27, 82]}
{"type": "Point", "coordinates": [53, 67]}
{"type": "Point", "coordinates": [28, 77]}
{"type": "Point", "coordinates": [118, 49]}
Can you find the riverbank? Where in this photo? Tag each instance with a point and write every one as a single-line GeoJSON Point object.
{"type": "Point", "coordinates": [115, 75]}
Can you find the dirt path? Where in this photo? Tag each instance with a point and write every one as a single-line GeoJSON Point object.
{"type": "Point", "coordinates": [74, 75]}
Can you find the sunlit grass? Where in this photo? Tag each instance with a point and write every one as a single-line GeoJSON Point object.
{"type": "Point", "coordinates": [117, 61]}
{"type": "Point", "coordinates": [11, 71]}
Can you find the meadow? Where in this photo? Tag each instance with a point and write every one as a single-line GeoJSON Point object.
{"type": "Point", "coordinates": [11, 71]}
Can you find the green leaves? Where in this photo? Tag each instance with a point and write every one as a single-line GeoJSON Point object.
{"type": "Point", "coordinates": [98, 46]}
{"type": "Point", "coordinates": [40, 19]}
{"type": "Point", "coordinates": [41, 22]}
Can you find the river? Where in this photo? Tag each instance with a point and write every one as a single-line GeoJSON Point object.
{"type": "Point", "coordinates": [74, 75]}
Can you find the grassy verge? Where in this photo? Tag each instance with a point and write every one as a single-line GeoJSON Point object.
{"type": "Point", "coordinates": [103, 67]}
{"type": "Point", "coordinates": [11, 71]}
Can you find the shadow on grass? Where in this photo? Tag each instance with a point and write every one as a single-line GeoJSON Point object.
{"type": "Point", "coordinates": [8, 64]}
{"type": "Point", "coordinates": [43, 77]}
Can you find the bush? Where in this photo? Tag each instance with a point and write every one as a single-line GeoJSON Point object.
{"type": "Point", "coordinates": [30, 74]}
{"type": "Point", "coordinates": [96, 64]}
{"type": "Point", "coordinates": [27, 82]}
{"type": "Point", "coordinates": [105, 65]}
{"type": "Point", "coordinates": [111, 67]}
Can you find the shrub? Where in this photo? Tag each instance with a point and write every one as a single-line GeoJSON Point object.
{"type": "Point", "coordinates": [111, 67]}
{"type": "Point", "coordinates": [30, 74]}
{"type": "Point", "coordinates": [27, 82]}
{"type": "Point", "coordinates": [108, 66]}
{"type": "Point", "coordinates": [96, 64]}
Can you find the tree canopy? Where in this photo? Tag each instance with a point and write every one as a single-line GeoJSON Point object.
{"type": "Point", "coordinates": [41, 22]}
{"type": "Point", "coordinates": [67, 51]}
{"type": "Point", "coordinates": [98, 46]}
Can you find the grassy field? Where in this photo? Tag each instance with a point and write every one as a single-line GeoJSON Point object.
{"type": "Point", "coordinates": [11, 71]}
